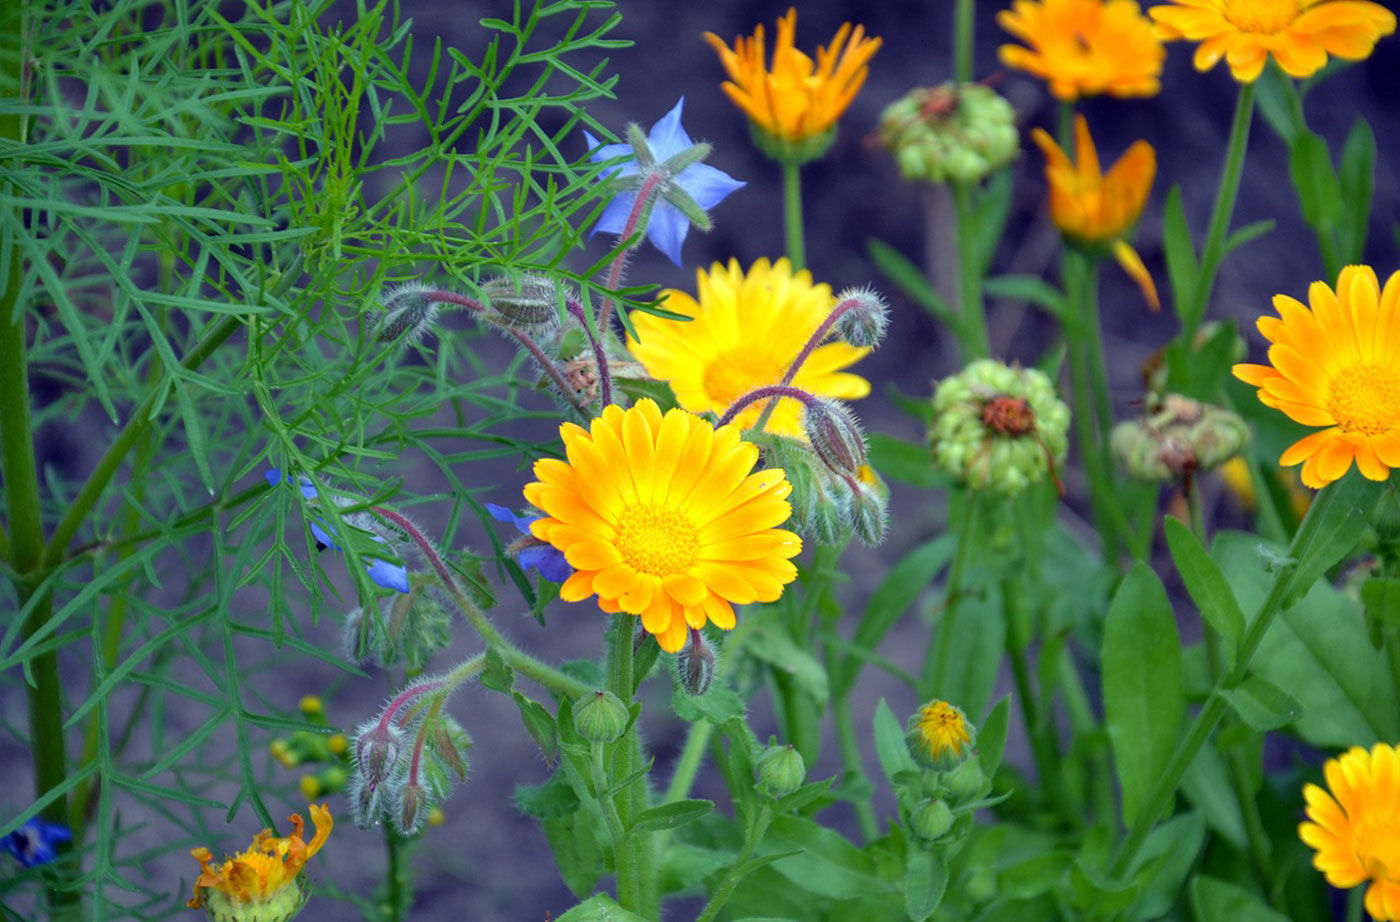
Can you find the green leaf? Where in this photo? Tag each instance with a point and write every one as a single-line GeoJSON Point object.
{"type": "Point", "coordinates": [718, 705]}
{"type": "Point", "coordinates": [554, 798]}
{"type": "Point", "coordinates": [889, 743]}
{"type": "Point", "coordinates": [909, 279]}
{"type": "Point", "coordinates": [1217, 901]}
{"type": "Point", "coordinates": [1161, 867]}
{"type": "Point", "coordinates": [925, 881]}
{"type": "Point", "coordinates": [1182, 268]}
{"type": "Point", "coordinates": [1142, 684]}
{"type": "Point", "coordinates": [794, 802]}
{"type": "Point", "coordinates": [1097, 897]}
{"type": "Point", "coordinates": [828, 865]}
{"type": "Point", "coordinates": [1319, 189]}
{"type": "Point", "coordinates": [1381, 596]}
{"type": "Point", "coordinates": [993, 203]}
{"type": "Point", "coordinates": [1206, 784]}
{"type": "Point", "coordinates": [1207, 585]}
{"type": "Point", "coordinates": [1344, 509]}
{"type": "Point", "coordinates": [1262, 705]}
{"type": "Point", "coordinates": [1246, 234]}
{"type": "Point", "coordinates": [905, 462]}
{"type": "Point", "coordinates": [1029, 288]}
{"type": "Point", "coordinates": [669, 816]}
{"type": "Point", "coordinates": [600, 908]}
{"type": "Point", "coordinates": [991, 736]}
{"type": "Point", "coordinates": [541, 726]}
{"type": "Point", "coordinates": [1357, 176]}
{"type": "Point", "coordinates": [776, 648]}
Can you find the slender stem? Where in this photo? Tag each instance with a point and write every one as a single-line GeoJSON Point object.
{"type": "Point", "coordinates": [1085, 373]}
{"type": "Point", "coordinates": [628, 895]}
{"type": "Point", "coordinates": [1212, 251]}
{"type": "Point", "coordinates": [1093, 340]}
{"type": "Point", "coordinates": [972, 313]}
{"type": "Point", "coordinates": [731, 876]}
{"type": "Point", "coordinates": [1356, 903]}
{"type": "Point", "coordinates": [546, 363]}
{"type": "Point", "coordinates": [600, 355]}
{"type": "Point", "coordinates": [1038, 730]}
{"type": "Point", "coordinates": [936, 661]}
{"type": "Point", "coordinates": [1215, 706]}
{"type": "Point", "coordinates": [792, 215]}
{"type": "Point", "coordinates": [964, 22]}
{"type": "Point", "coordinates": [619, 263]}
{"type": "Point", "coordinates": [813, 341]}
{"type": "Point", "coordinates": [522, 662]}
{"type": "Point", "coordinates": [852, 763]}
{"type": "Point", "coordinates": [771, 390]}
{"type": "Point", "coordinates": [698, 737]}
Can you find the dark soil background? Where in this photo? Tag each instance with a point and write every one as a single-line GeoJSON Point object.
{"type": "Point", "coordinates": [487, 861]}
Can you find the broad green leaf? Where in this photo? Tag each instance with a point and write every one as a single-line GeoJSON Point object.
{"type": "Point", "coordinates": [1161, 867]}
{"type": "Point", "coordinates": [776, 648]}
{"type": "Point", "coordinates": [1207, 585]}
{"type": "Point", "coordinates": [1035, 876]}
{"type": "Point", "coordinates": [1381, 596]}
{"type": "Point", "coordinates": [1262, 705]}
{"type": "Point", "coordinates": [600, 908]}
{"type": "Point", "coordinates": [554, 798]}
{"type": "Point", "coordinates": [1180, 253]}
{"type": "Point", "coordinates": [905, 462]}
{"type": "Point", "coordinates": [1247, 234]}
{"type": "Point", "coordinates": [925, 881]}
{"type": "Point", "coordinates": [991, 736]}
{"type": "Point", "coordinates": [718, 705]}
{"type": "Point", "coordinates": [1207, 785]}
{"type": "Point", "coordinates": [1342, 511]}
{"type": "Point", "coordinates": [1142, 684]}
{"type": "Point", "coordinates": [1218, 901]}
{"type": "Point", "coordinates": [829, 865]}
{"type": "Point", "coordinates": [889, 743]}
{"type": "Point", "coordinates": [669, 816]}
{"type": "Point", "coordinates": [1029, 288]}
{"type": "Point", "coordinates": [993, 204]}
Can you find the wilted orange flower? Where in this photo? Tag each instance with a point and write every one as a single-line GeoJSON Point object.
{"type": "Point", "coordinates": [660, 517]}
{"type": "Point", "coordinates": [798, 99]}
{"type": "Point", "coordinates": [1300, 34]}
{"type": "Point", "coordinates": [1095, 208]}
{"type": "Point", "coordinates": [1336, 365]}
{"type": "Point", "coordinates": [266, 875]}
{"type": "Point", "coordinates": [1353, 828]}
{"type": "Point", "coordinates": [1085, 47]}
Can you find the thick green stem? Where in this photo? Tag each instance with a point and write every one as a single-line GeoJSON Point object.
{"type": "Point", "coordinates": [1213, 250]}
{"type": "Point", "coordinates": [628, 890]}
{"type": "Point", "coordinates": [1216, 707]}
{"type": "Point", "coordinates": [964, 22]}
{"type": "Point", "coordinates": [1038, 729]}
{"type": "Point", "coordinates": [972, 313]}
{"type": "Point", "coordinates": [792, 215]}
{"type": "Point", "coordinates": [935, 672]}
{"type": "Point", "coordinates": [398, 878]}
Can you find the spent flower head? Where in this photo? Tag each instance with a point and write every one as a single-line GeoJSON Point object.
{"type": "Point", "coordinates": [265, 883]}
{"type": "Point", "coordinates": [1297, 34]}
{"type": "Point", "coordinates": [950, 132]}
{"type": "Point", "coordinates": [1177, 439]}
{"type": "Point", "coordinates": [663, 170]}
{"type": "Point", "coordinates": [1084, 47]}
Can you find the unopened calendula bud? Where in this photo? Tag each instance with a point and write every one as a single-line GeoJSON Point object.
{"type": "Point", "coordinates": [932, 820]}
{"type": "Point", "coordinates": [966, 782]}
{"type": "Point", "coordinates": [781, 770]}
{"type": "Point", "coordinates": [600, 717]}
{"type": "Point", "coordinates": [940, 736]}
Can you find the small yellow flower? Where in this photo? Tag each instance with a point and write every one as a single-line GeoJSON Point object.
{"type": "Point", "coordinates": [798, 98]}
{"type": "Point", "coordinates": [1353, 828]}
{"type": "Point", "coordinates": [1085, 47]}
{"type": "Point", "coordinates": [264, 881]}
{"type": "Point", "coordinates": [660, 516]}
{"type": "Point", "coordinates": [1336, 365]}
{"type": "Point", "coordinates": [941, 736]}
{"type": "Point", "coordinates": [1300, 34]}
{"type": "Point", "coordinates": [1094, 208]}
{"type": "Point", "coordinates": [746, 331]}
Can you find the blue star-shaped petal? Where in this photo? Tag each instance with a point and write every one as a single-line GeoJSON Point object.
{"type": "Point", "coordinates": [705, 185]}
{"type": "Point", "coordinates": [381, 572]}
{"type": "Point", "coordinates": [33, 843]}
{"type": "Point", "coordinates": [546, 558]}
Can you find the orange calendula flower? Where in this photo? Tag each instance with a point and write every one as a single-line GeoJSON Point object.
{"type": "Point", "coordinates": [747, 329]}
{"type": "Point", "coordinates": [1353, 828]}
{"type": "Point", "coordinates": [1085, 47]}
{"type": "Point", "coordinates": [1094, 208]}
{"type": "Point", "coordinates": [1336, 365]}
{"type": "Point", "coordinates": [798, 99]}
{"type": "Point", "coordinates": [263, 882]}
{"type": "Point", "coordinates": [1299, 34]}
{"type": "Point", "coordinates": [660, 516]}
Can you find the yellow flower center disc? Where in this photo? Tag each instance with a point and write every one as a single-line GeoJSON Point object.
{"type": "Point", "coordinates": [1366, 398]}
{"type": "Point", "coordinates": [656, 541]}
{"type": "Point", "coordinates": [1265, 17]}
{"type": "Point", "coordinates": [736, 372]}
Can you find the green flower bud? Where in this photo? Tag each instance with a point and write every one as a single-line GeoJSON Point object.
{"type": "Point", "coordinates": [949, 132]}
{"type": "Point", "coordinates": [1181, 437]}
{"type": "Point", "coordinates": [835, 436]}
{"type": "Point", "coordinates": [966, 782]}
{"type": "Point", "coordinates": [999, 427]}
{"type": "Point", "coordinates": [531, 302]}
{"type": "Point", "coordinates": [940, 736]}
{"type": "Point", "coordinates": [600, 717]}
{"type": "Point", "coordinates": [932, 820]}
{"type": "Point", "coordinates": [794, 151]}
{"type": "Point", "coordinates": [864, 317]}
{"type": "Point", "coordinates": [407, 312]}
{"type": "Point", "coordinates": [869, 514]}
{"type": "Point", "coordinates": [412, 809]}
{"type": "Point", "coordinates": [781, 770]}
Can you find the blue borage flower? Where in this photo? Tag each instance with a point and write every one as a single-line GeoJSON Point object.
{"type": "Point", "coordinates": [34, 842]}
{"type": "Point", "coordinates": [546, 558]}
{"type": "Point", "coordinates": [383, 573]}
{"type": "Point", "coordinates": [703, 184]}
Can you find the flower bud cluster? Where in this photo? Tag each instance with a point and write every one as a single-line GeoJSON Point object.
{"type": "Point", "coordinates": [937, 802]}
{"type": "Point", "coordinates": [950, 132]}
{"type": "Point", "coordinates": [404, 629]}
{"type": "Point", "coordinates": [1177, 439]}
{"type": "Point", "coordinates": [835, 491]}
{"type": "Point", "coordinates": [998, 427]}
{"type": "Point", "coordinates": [407, 313]}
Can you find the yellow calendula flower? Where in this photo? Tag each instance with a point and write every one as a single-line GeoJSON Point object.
{"type": "Point", "coordinates": [797, 99]}
{"type": "Point", "coordinates": [1096, 208]}
{"type": "Point", "coordinates": [1336, 365]}
{"type": "Point", "coordinates": [1299, 34]}
{"type": "Point", "coordinates": [660, 516]}
{"type": "Point", "coordinates": [1353, 828]}
{"type": "Point", "coordinates": [1085, 47]}
{"type": "Point", "coordinates": [746, 331]}
{"type": "Point", "coordinates": [263, 883]}
{"type": "Point", "coordinates": [940, 735]}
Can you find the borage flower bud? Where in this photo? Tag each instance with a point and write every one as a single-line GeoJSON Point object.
{"type": "Point", "coordinates": [378, 745]}
{"type": "Point", "coordinates": [949, 132]}
{"type": "Point", "coordinates": [932, 820]}
{"type": "Point", "coordinates": [781, 770]}
{"type": "Point", "coordinates": [695, 665]}
{"type": "Point", "coordinates": [863, 319]}
{"type": "Point", "coordinates": [446, 754]}
{"type": "Point", "coordinates": [869, 511]}
{"type": "Point", "coordinates": [600, 717]}
{"type": "Point", "coordinates": [835, 436]}
{"type": "Point", "coordinates": [411, 809]}
{"type": "Point", "coordinates": [940, 736]}
{"type": "Point", "coordinates": [407, 313]}
{"type": "Point", "coordinates": [532, 302]}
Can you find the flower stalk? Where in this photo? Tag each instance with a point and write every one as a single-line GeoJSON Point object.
{"type": "Point", "coordinates": [793, 235]}
{"type": "Point", "coordinates": [761, 393]}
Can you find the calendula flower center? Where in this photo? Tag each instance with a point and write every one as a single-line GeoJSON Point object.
{"type": "Point", "coordinates": [736, 372]}
{"type": "Point", "coordinates": [1366, 398]}
{"type": "Point", "coordinates": [657, 541]}
{"type": "Point", "coordinates": [1265, 17]}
